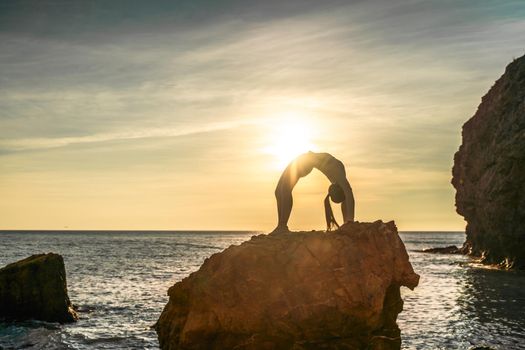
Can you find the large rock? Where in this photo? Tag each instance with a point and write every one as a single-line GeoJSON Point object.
{"type": "Point", "coordinates": [489, 172]}
{"type": "Point", "coordinates": [307, 290]}
{"type": "Point", "coordinates": [35, 288]}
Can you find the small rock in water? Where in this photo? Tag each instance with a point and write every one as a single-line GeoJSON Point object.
{"type": "Point", "coordinates": [35, 288]}
{"type": "Point", "coordinates": [452, 249]}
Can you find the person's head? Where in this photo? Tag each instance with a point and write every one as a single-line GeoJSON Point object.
{"type": "Point", "coordinates": [336, 193]}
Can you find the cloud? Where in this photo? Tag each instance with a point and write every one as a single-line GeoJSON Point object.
{"type": "Point", "coordinates": [43, 143]}
{"type": "Point", "coordinates": [388, 71]}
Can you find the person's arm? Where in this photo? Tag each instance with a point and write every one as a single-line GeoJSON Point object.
{"type": "Point", "coordinates": [348, 205]}
{"type": "Point", "coordinates": [334, 170]}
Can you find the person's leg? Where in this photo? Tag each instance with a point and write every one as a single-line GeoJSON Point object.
{"type": "Point", "coordinates": [284, 207]}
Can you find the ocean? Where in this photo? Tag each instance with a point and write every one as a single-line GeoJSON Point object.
{"type": "Point", "coordinates": [119, 282]}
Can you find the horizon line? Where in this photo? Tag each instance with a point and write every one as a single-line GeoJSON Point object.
{"type": "Point", "coordinates": [194, 230]}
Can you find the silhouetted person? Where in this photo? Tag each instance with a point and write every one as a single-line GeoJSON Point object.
{"type": "Point", "coordinates": [339, 191]}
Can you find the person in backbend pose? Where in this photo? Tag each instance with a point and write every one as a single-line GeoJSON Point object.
{"type": "Point", "coordinates": [339, 191]}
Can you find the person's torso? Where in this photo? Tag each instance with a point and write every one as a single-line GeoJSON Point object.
{"type": "Point", "coordinates": [330, 166]}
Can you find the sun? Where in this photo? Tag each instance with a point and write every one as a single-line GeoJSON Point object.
{"type": "Point", "coordinates": [289, 137]}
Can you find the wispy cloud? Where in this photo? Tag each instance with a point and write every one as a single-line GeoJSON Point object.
{"type": "Point", "coordinates": [42, 143]}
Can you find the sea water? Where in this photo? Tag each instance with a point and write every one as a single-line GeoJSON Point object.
{"type": "Point", "coordinates": [119, 282]}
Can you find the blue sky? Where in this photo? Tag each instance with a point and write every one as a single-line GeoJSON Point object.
{"type": "Point", "coordinates": [160, 115]}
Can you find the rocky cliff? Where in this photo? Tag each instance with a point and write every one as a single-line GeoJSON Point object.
{"type": "Point", "coordinates": [304, 290]}
{"type": "Point", "coordinates": [489, 172]}
{"type": "Point", "coordinates": [35, 288]}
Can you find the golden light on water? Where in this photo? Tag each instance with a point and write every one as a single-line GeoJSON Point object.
{"type": "Point", "coordinates": [289, 137]}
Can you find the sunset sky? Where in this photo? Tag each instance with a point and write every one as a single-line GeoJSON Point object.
{"type": "Point", "coordinates": [182, 114]}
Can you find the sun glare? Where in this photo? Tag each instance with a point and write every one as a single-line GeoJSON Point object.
{"type": "Point", "coordinates": [290, 138]}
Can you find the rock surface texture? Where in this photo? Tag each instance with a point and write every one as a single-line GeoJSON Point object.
{"type": "Point", "coordinates": [302, 290]}
{"type": "Point", "coordinates": [489, 173]}
{"type": "Point", "coordinates": [35, 288]}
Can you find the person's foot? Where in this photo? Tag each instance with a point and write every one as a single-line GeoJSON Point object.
{"type": "Point", "coordinates": [280, 229]}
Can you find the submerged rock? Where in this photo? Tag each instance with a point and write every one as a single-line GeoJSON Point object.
{"type": "Point", "coordinates": [489, 172]}
{"type": "Point", "coordinates": [451, 249]}
{"type": "Point", "coordinates": [35, 288]}
{"type": "Point", "coordinates": [304, 290]}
